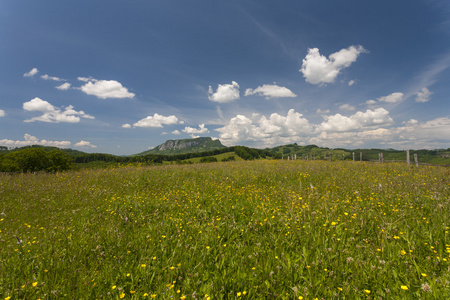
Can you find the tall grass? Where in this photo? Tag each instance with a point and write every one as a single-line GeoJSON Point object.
{"type": "Point", "coordinates": [254, 230]}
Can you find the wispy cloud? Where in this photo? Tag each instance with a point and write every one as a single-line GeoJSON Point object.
{"type": "Point", "coordinates": [31, 73]}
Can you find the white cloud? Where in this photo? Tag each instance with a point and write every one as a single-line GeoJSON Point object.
{"type": "Point", "coordinates": [87, 79]}
{"type": "Point", "coordinates": [47, 77]}
{"type": "Point", "coordinates": [423, 95]}
{"type": "Point", "coordinates": [157, 121]}
{"type": "Point", "coordinates": [320, 111]}
{"type": "Point", "coordinates": [265, 131]}
{"type": "Point", "coordinates": [318, 69]}
{"type": "Point", "coordinates": [372, 128]}
{"type": "Point", "coordinates": [371, 102]}
{"type": "Point", "coordinates": [392, 98]}
{"type": "Point", "coordinates": [85, 144]}
{"type": "Point", "coordinates": [105, 88]}
{"type": "Point", "coordinates": [176, 132]}
{"type": "Point", "coordinates": [31, 73]}
{"type": "Point", "coordinates": [225, 93]}
{"type": "Point", "coordinates": [64, 86]}
{"type": "Point", "coordinates": [32, 140]}
{"type": "Point", "coordinates": [202, 129]}
{"type": "Point", "coordinates": [53, 114]}
{"type": "Point", "coordinates": [2, 113]}
{"type": "Point", "coordinates": [351, 82]}
{"type": "Point", "coordinates": [271, 91]}
{"type": "Point", "coordinates": [431, 134]}
{"type": "Point", "coordinates": [357, 121]}
{"type": "Point", "coordinates": [126, 126]}
{"type": "Point", "coordinates": [347, 107]}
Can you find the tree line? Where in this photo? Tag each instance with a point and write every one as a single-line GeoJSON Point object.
{"type": "Point", "coordinates": [50, 159]}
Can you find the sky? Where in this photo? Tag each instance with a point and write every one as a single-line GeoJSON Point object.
{"type": "Point", "coordinates": [122, 77]}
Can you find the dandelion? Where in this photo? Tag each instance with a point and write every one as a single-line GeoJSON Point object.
{"type": "Point", "coordinates": [367, 292]}
{"type": "Point", "coordinates": [424, 275]}
{"type": "Point", "coordinates": [183, 297]}
{"type": "Point", "coordinates": [402, 252]}
{"type": "Point", "coordinates": [404, 287]}
{"type": "Point", "coordinates": [143, 265]}
{"type": "Point", "coordinates": [113, 287]}
{"type": "Point", "coordinates": [122, 295]}
{"type": "Point", "coordinates": [239, 294]}
{"type": "Point", "coordinates": [145, 295]}
{"type": "Point", "coordinates": [34, 284]}
{"type": "Point", "coordinates": [153, 296]}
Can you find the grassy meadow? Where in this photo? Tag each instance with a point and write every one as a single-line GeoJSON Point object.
{"type": "Point", "coordinates": [237, 230]}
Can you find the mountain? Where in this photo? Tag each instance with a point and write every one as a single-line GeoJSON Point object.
{"type": "Point", "coordinates": [171, 147]}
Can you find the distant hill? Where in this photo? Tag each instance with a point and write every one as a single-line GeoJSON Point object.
{"type": "Point", "coordinates": [173, 147]}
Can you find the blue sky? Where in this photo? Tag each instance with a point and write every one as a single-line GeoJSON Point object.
{"type": "Point", "coordinates": [121, 77]}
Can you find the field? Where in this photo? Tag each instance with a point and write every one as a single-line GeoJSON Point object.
{"type": "Point", "coordinates": [236, 230]}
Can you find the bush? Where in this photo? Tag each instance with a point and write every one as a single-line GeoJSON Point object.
{"type": "Point", "coordinates": [208, 159]}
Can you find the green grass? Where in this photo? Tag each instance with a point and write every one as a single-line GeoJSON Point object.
{"type": "Point", "coordinates": [236, 230]}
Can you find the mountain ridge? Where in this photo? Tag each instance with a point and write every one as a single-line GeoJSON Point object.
{"type": "Point", "coordinates": [182, 146]}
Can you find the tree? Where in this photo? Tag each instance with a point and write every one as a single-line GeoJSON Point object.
{"type": "Point", "coordinates": [35, 160]}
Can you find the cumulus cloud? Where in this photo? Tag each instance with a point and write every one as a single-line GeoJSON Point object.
{"type": "Point", "coordinates": [157, 120]}
{"type": "Point", "coordinates": [201, 130]}
{"type": "Point", "coordinates": [351, 82]}
{"type": "Point", "coordinates": [176, 132]}
{"type": "Point", "coordinates": [64, 86]}
{"type": "Point", "coordinates": [268, 131]}
{"type": "Point", "coordinates": [392, 98]}
{"type": "Point", "coordinates": [85, 144]}
{"type": "Point", "coordinates": [2, 113]}
{"type": "Point", "coordinates": [52, 114]}
{"type": "Point", "coordinates": [431, 134]}
{"type": "Point", "coordinates": [104, 89]}
{"type": "Point", "coordinates": [372, 128]}
{"type": "Point", "coordinates": [271, 91]}
{"type": "Point", "coordinates": [318, 69]}
{"type": "Point", "coordinates": [423, 95]}
{"type": "Point", "coordinates": [357, 121]}
{"type": "Point", "coordinates": [32, 140]}
{"type": "Point", "coordinates": [31, 73]}
{"type": "Point", "coordinates": [126, 126]}
{"type": "Point", "coordinates": [47, 77]}
{"type": "Point", "coordinates": [347, 107]}
{"type": "Point", "coordinates": [225, 93]}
